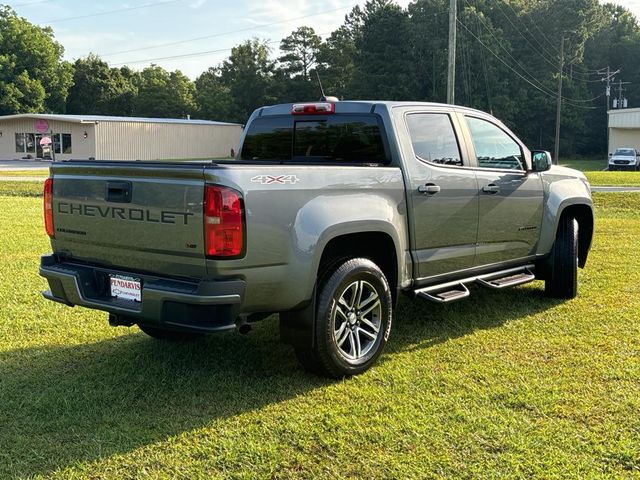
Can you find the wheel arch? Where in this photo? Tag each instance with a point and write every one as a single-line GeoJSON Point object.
{"type": "Point", "coordinates": [583, 214]}
{"type": "Point", "coordinates": [377, 246]}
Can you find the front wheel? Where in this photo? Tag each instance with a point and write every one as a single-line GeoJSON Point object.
{"type": "Point", "coordinates": [562, 277]}
{"type": "Point", "coordinates": [353, 320]}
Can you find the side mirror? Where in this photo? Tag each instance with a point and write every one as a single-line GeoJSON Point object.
{"type": "Point", "coordinates": [611, 154]}
{"type": "Point", "coordinates": [541, 160]}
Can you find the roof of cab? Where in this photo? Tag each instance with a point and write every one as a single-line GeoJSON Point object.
{"type": "Point", "coordinates": [360, 106]}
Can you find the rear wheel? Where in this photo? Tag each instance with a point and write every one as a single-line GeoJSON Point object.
{"type": "Point", "coordinates": [353, 320]}
{"type": "Point", "coordinates": [562, 271]}
{"type": "Point", "coordinates": [172, 335]}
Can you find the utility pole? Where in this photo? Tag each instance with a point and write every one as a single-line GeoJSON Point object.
{"type": "Point", "coordinates": [451, 71]}
{"type": "Point", "coordinates": [559, 104]}
{"type": "Point", "coordinates": [620, 90]}
{"type": "Point", "coordinates": [609, 77]}
{"type": "Point", "coordinates": [434, 90]}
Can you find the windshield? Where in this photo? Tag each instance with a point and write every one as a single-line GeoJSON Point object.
{"type": "Point", "coordinates": [625, 152]}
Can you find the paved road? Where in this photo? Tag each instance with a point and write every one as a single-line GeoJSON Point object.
{"type": "Point", "coordinates": [8, 165]}
{"type": "Point", "coordinates": [615, 189]}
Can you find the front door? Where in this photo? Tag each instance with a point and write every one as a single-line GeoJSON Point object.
{"type": "Point", "coordinates": [39, 153]}
{"type": "Point", "coordinates": [510, 198]}
{"type": "Point", "coordinates": [443, 194]}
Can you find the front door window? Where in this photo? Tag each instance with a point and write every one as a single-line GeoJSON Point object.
{"type": "Point", "coordinates": [494, 148]}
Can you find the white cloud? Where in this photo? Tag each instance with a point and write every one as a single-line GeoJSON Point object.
{"type": "Point", "coordinates": [78, 45]}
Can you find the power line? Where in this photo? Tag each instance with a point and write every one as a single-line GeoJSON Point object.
{"type": "Point", "coordinates": [110, 12]}
{"type": "Point", "coordinates": [518, 63]}
{"type": "Point", "coordinates": [30, 3]}
{"type": "Point", "coordinates": [545, 38]}
{"type": "Point", "coordinates": [193, 54]}
{"type": "Point", "coordinates": [483, 61]}
{"type": "Point", "coordinates": [540, 49]}
{"type": "Point", "coordinates": [489, 30]}
{"type": "Point", "coordinates": [206, 37]}
{"type": "Point", "coordinates": [553, 47]}
{"type": "Point", "coordinates": [537, 87]}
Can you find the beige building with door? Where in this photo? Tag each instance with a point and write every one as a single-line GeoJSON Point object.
{"type": "Point", "coordinates": [624, 128]}
{"type": "Point", "coordinates": [83, 137]}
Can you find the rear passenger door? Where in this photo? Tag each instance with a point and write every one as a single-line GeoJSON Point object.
{"type": "Point", "coordinates": [443, 193]}
{"type": "Point", "coordinates": [510, 197]}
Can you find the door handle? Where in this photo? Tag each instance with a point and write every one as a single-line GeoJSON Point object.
{"type": "Point", "coordinates": [491, 188]}
{"type": "Point", "coordinates": [429, 189]}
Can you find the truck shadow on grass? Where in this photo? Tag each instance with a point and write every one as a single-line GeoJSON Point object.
{"type": "Point", "coordinates": [62, 405]}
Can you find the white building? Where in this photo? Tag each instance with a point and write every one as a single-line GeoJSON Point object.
{"type": "Point", "coordinates": [624, 128]}
{"type": "Point", "coordinates": [82, 137]}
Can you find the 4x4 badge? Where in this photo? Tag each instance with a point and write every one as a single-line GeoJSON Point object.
{"type": "Point", "coordinates": [275, 179]}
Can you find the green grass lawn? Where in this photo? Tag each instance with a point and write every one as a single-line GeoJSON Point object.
{"type": "Point", "coordinates": [628, 179]}
{"type": "Point", "coordinates": [503, 385]}
{"type": "Point", "coordinates": [588, 165]}
{"type": "Point", "coordinates": [593, 169]}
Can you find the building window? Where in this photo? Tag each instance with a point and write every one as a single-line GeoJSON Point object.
{"type": "Point", "coordinates": [62, 143]}
{"type": "Point", "coordinates": [30, 140]}
{"type": "Point", "coordinates": [66, 143]}
{"type": "Point", "coordinates": [25, 143]}
{"type": "Point", "coordinates": [20, 143]}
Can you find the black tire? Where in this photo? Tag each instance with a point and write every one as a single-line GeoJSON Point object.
{"type": "Point", "coordinates": [562, 270]}
{"type": "Point", "coordinates": [171, 335]}
{"type": "Point", "coordinates": [355, 326]}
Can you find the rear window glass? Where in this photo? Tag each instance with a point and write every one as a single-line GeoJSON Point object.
{"type": "Point", "coordinates": [268, 139]}
{"type": "Point", "coordinates": [330, 139]}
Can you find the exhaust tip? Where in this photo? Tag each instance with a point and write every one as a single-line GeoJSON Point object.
{"type": "Point", "coordinates": [244, 328]}
{"type": "Point", "coordinates": [120, 321]}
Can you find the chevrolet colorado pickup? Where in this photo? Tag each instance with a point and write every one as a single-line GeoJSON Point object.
{"type": "Point", "coordinates": [328, 213]}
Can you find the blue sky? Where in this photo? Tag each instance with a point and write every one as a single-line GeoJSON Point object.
{"type": "Point", "coordinates": [150, 23]}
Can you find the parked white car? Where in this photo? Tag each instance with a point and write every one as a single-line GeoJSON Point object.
{"type": "Point", "coordinates": [624, 158]}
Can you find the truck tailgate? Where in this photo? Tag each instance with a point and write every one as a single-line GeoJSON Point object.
{"type": "Point", "coordinates": [129, 215]}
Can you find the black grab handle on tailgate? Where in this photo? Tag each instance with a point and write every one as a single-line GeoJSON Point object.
{"type": "Point", "coordinates": [118, 191]}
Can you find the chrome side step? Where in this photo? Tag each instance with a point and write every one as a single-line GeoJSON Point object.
{"type": "Point", "coordinates": [445, 295]}
{"type": "Point", "coordinates": [500, 281]}
{"type": "Point", "coordinates": [457, 290]}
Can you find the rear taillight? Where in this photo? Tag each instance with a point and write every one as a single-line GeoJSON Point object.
{"type": "Point", "coordinates": [223, 222]}
{"type": "Point", "coordinates": [48, 206]}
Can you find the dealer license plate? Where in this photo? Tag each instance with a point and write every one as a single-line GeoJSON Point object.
{"type": "Point", "coordinates": [126, 288]}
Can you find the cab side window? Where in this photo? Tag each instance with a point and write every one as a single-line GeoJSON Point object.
{"type": "Point", "coordinates": [434, 139]}
{"type": "Point", "coordinates": [494, 147]}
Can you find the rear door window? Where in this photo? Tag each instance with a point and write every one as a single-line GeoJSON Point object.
{"type": "Point", "coordinates": [434, 139]}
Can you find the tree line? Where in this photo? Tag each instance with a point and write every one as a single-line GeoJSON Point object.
{"type": "Point", "coordinates": [507, 56]}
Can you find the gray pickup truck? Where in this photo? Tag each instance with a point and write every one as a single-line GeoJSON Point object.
{"type": "Point", "coordinates": [328, 213]}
